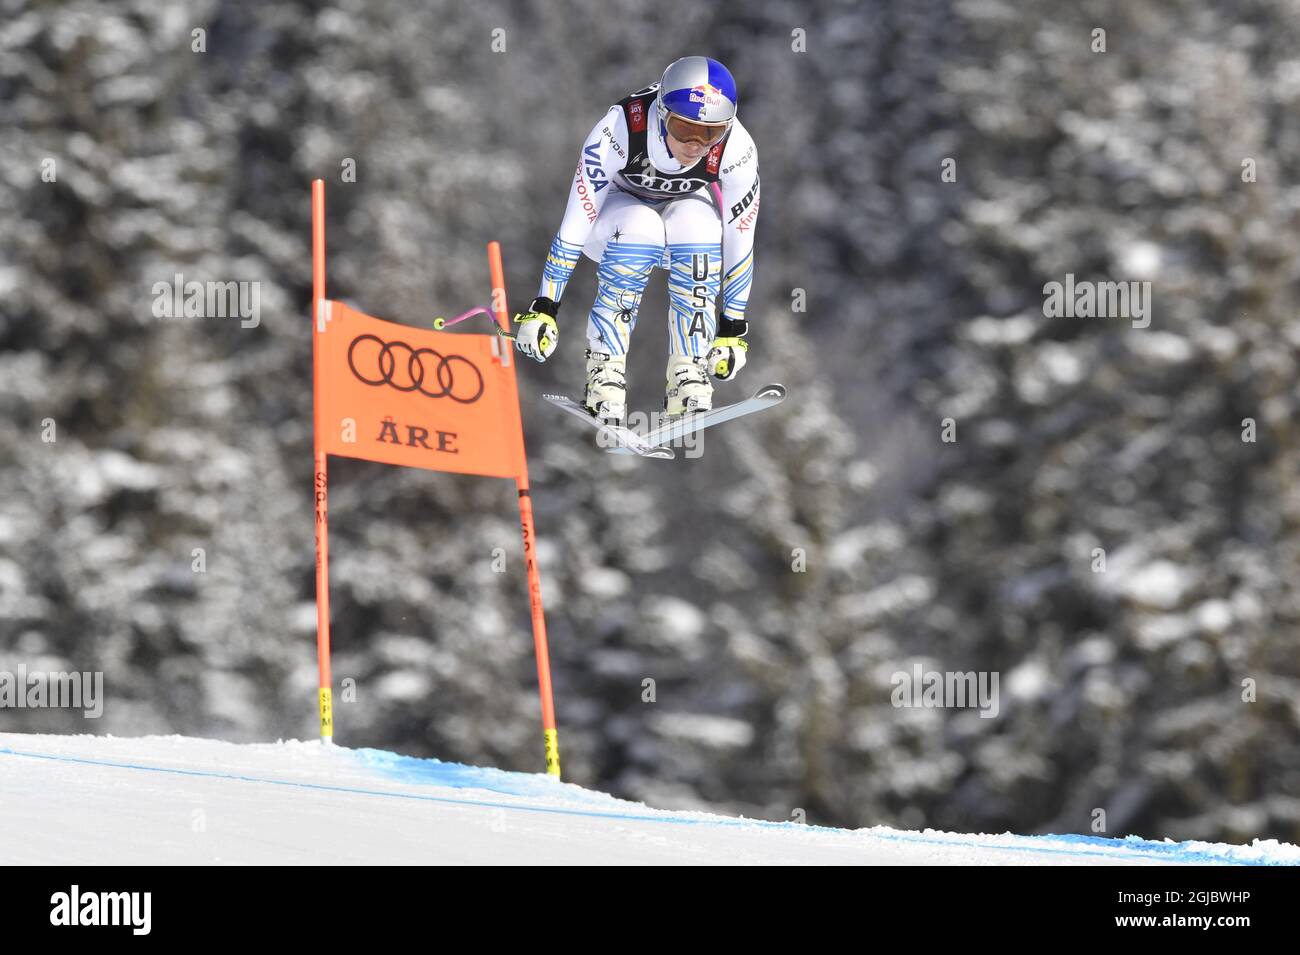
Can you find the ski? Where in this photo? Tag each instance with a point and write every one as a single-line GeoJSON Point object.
{"type": "Point", "coordinates": [766, 397]}
{"type": "Point", "coordinates": [625, 441]}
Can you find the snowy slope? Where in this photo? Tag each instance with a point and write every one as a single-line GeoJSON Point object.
{"type": "Point", "coordinates": [89, 799]}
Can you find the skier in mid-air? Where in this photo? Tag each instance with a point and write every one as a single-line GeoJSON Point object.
{"type": "Point", "coordinates": [668, 178]}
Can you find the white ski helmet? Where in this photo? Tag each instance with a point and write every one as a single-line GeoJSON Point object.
{"type": "Point", "coordinates": [698, 89]}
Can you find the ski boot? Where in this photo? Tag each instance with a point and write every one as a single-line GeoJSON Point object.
{"type": "Point", "coordinates": [606, 394]}
{"type": "Point", "coordinates": [688, 388]}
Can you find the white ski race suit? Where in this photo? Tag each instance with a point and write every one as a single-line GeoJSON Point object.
{"type": "Point", "coordinates": [633, 207]}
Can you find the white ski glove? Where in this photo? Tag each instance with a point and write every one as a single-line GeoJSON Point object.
{"type": "Point", "coordinates": [727, 354]}
{"type": "Point", "coordinates": [538, 332]}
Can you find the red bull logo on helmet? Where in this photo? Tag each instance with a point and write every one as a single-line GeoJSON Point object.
{"type": "Point", "coordinates": [707, 95]}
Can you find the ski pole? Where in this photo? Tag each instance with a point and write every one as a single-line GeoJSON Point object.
{"type": "Point", "coordinates": [440, 323]}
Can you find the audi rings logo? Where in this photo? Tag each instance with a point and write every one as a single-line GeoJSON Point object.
{"type": "Point", "coordinates": [425, 370]}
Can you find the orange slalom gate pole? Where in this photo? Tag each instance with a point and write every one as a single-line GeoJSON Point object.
{"type": "Point", "coordinates": [550, 734]}
{"type": "Point", "coordinates": [321, 480]}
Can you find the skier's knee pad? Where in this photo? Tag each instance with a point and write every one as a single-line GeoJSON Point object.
{"type": "Point", "coordinates": [636, 222]}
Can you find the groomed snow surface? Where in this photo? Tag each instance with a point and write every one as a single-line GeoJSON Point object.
{"type": "Point", "coordinates": [174, 800]}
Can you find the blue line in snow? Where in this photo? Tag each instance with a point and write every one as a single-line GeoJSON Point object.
{"type": "Point", "coordinates": [463, 776]}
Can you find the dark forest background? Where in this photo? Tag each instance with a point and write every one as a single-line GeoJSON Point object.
{"type": "Point", "coordinates": [1121, 688]}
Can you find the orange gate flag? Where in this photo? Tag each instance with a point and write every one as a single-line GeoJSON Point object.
{"type": "Point", "coordinates": [424, 399]}
{"type": "Point", "coordinates": [416, 397]}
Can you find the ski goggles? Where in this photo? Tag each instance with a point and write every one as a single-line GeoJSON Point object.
{"type": "Point", "coordinates": [687, 131]}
